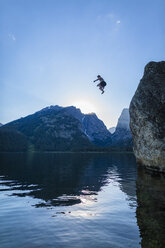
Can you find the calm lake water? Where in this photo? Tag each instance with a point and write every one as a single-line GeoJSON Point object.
{"type": "Point", "coordinates": [79, 200]}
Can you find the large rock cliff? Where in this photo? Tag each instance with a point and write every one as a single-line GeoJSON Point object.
{"type": "Point", "coordinates": [147, 117]}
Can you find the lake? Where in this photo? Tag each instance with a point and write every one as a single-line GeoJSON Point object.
{"type": "Point", "coordinates": [67, 200]}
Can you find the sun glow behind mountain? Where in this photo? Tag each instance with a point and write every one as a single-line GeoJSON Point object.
{"type": "Point", "coordinates": [85, 107]}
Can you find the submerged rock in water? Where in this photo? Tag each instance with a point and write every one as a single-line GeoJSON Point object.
{"type": "Point", "coordinates": [147, 117]}
{"type": "Point", "coordinates": [150, 211]}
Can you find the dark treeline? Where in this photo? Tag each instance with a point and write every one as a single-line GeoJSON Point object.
{"type": "Point", "coordinates": [12, 140]}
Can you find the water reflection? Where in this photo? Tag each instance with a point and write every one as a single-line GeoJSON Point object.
{"type": "Point", "coordinates": [102, 191]}
{"type": "Point", "coordinates": [66, 179]}
{"type": "Point", "coordinates": [151, 209]}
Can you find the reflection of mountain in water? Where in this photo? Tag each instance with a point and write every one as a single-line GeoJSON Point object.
{"type": "Point", "coordinates": [62, 179]}
{"type": "Point", "coordinates": [67, 179]}
{"type": "Point", "coordinates": [127, 174]}
{"type": "Point", "coordinates": [151, 209]}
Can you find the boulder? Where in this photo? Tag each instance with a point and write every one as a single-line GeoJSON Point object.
{"type": "Point", "coordinates": [147, 118]}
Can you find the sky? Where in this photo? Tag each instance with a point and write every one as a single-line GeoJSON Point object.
{"type": "Point", "coordinates": [52, 50]}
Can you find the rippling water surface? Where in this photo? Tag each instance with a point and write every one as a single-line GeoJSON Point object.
{"type": "Point", "coordinates": [78, 200]}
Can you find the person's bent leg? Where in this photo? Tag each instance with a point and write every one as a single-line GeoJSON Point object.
{"type": "Point", "coordinates": [102, 89]}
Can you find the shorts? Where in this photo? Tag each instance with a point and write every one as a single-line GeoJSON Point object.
{"type": "Point", "coordinates": [103, 84]}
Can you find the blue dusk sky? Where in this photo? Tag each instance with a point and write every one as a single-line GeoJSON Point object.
{"type": "Point", "coordinates": [52, 50]}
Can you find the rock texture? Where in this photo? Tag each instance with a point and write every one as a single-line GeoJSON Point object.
{"type": "Point", "coordinates": [147, 117]}
{"type": "Point", "coordinates": [96, 131]}
{"type": "Point", "coordinates": [93, 128]}
{"type": "Point", "coordinates": [122, 135]}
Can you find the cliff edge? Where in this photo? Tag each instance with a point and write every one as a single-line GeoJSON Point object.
{"type": "Point", "coordinates": [147, 117]}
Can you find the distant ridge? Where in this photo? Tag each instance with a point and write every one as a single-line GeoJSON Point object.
{"type": "Point", "coordinates": [56, 128]}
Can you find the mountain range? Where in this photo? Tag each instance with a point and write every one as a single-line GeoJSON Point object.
{"type": "Point", "coordinates": [56, 128]}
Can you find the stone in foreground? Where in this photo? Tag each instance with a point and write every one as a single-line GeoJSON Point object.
{"type": "Point", "coordinates": [147, 117]}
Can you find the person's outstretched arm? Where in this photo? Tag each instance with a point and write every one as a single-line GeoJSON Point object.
{"type": "Point", "coordinates": [95, 80]}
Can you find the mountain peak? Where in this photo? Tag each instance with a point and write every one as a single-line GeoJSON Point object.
{"type": "Point", "coordinates": [123, 121]}
{"type": "Point", "coordinates": [91, 114]}
{"type": "Point", "coordinates": [55, 127]}
{"type": "Point", "coordinates": [51, 107]}
{"type": "Point", "coordinates": [122, 135]}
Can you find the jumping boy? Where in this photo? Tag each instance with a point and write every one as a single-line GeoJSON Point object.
{"type": "Point", "coordinates": [102, 83]}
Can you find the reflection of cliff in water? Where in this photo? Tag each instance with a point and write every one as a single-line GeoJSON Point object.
{"type": "Point", "coordinates": [151, 209]}
{"type": "Point", "coordinates": [127, 174]}
{"type": "Point", "coordinates": [61, 179]}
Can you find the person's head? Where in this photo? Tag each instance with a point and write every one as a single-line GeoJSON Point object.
{"type": "Point", "coordinates": [98, 76]}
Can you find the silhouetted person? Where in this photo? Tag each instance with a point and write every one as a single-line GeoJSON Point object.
{"type": "Point", "coordinates": [102, 83]}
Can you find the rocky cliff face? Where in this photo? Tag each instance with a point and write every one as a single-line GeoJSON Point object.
{"type": "Point", "coordinates": [147, 117]}
{"type": "Point", "coordinates": [122, 135]}
{"type": "Point", "coordinates": [91, 126]}
{"type": "Point", "coordinates": [96, 131]}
